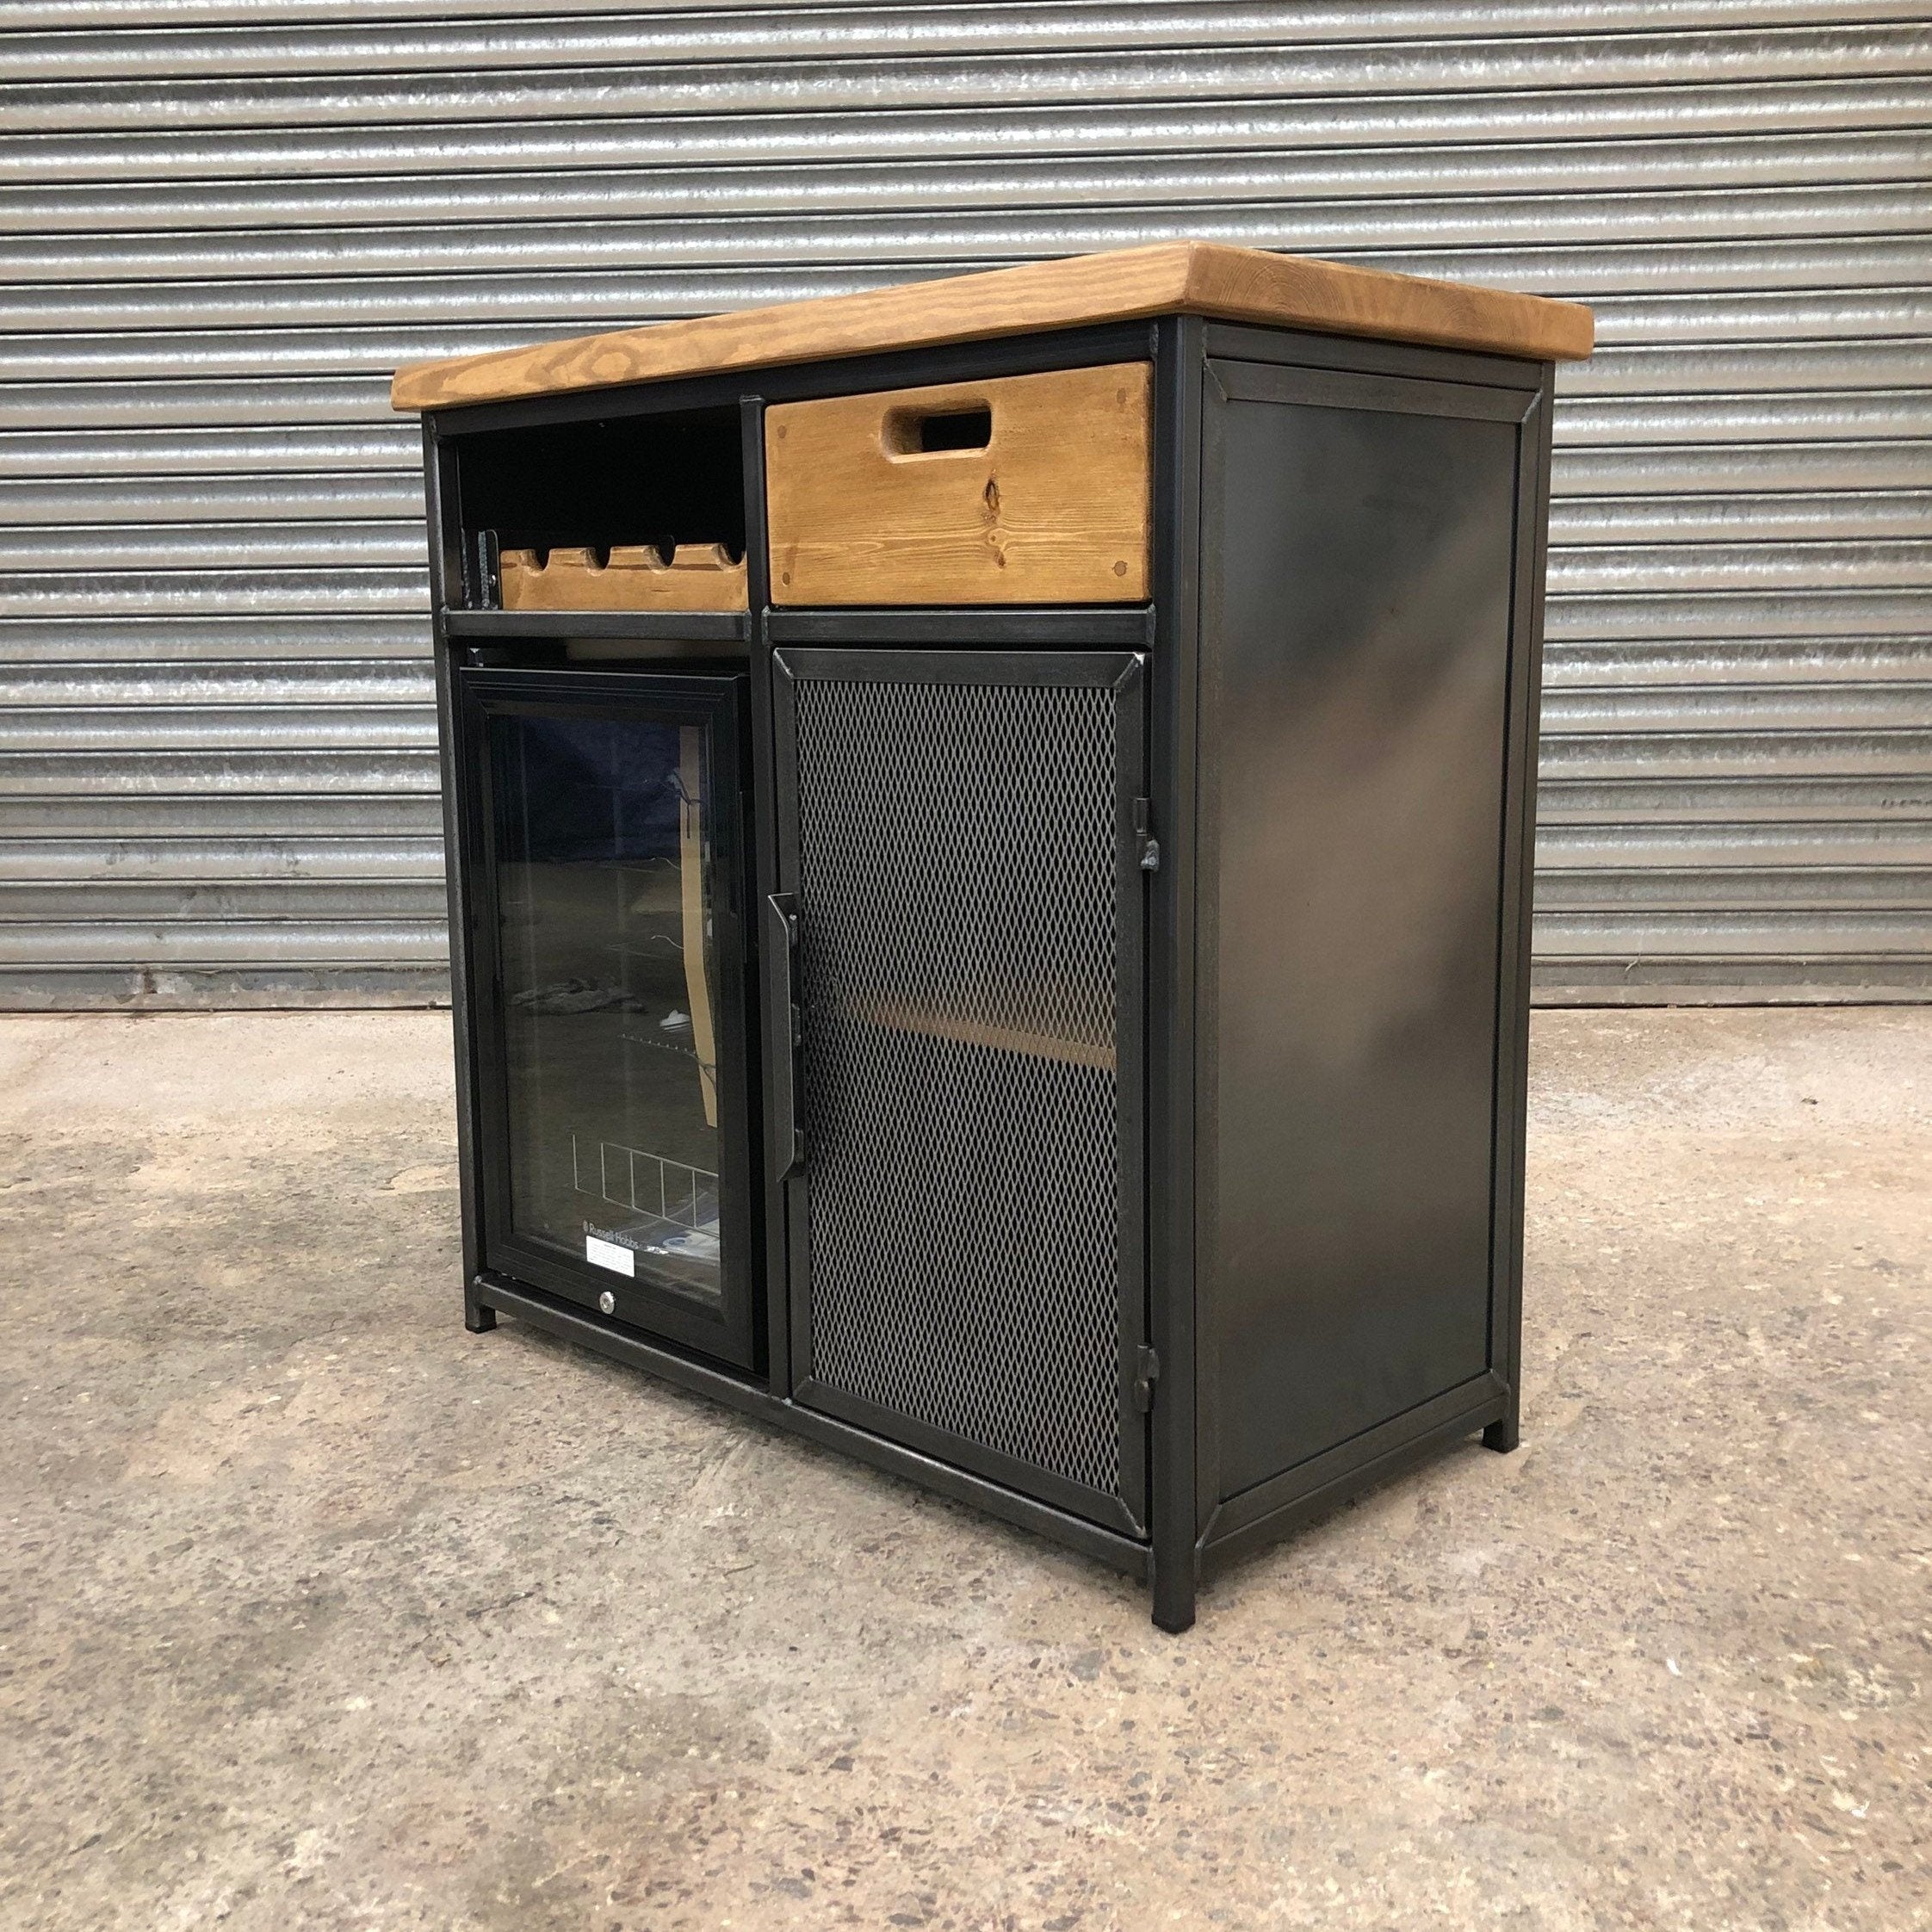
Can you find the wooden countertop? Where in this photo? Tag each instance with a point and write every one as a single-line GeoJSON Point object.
{"type": "Point", "coordinates": [1189, 278]}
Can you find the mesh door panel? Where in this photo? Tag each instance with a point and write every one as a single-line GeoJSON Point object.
{"type": "Point", "coordinates": [959, 899]}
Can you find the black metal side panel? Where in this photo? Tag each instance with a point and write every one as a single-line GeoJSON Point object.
{"type": "Point", "coordinates": [962, 854]}
{"type": "Point", "coordinates": [1357, 582]}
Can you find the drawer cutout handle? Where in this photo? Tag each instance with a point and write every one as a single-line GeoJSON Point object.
{"type": "Point", "coordinates": [938, 432]}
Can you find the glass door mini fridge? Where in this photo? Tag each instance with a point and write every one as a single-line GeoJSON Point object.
{"type": "Point", "coordinates": [609, 976]}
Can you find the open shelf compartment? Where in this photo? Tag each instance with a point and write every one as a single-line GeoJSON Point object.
{"type": "Point", "coordinates": [638, 513]}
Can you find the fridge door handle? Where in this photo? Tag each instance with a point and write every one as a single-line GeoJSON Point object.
{"type": "Point", "coordinates": [787, 1138]}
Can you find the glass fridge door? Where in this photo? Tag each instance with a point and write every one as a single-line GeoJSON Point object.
{"type": "Point", "coordinates": [610, 995]}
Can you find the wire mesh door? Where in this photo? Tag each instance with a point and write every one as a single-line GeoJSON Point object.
{"type": "Point", "coordinates": [965, 906]}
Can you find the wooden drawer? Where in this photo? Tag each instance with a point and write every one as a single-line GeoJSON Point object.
{"type": "Point", "coordinates": [1026, 489]}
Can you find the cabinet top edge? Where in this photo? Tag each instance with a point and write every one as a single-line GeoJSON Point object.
{"type": "Point", "coordinates": [1212, 279]}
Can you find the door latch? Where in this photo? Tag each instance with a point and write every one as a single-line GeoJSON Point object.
{"type": "Point", "coordinates": [1147, 1372]}
{"type": "Point", "coordinates": [1147, 847]}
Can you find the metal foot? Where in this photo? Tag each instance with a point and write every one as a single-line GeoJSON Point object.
{"type": "Point", "coordinates": [1503, 1436]}
{"type": "Point", "coordinates": [1174, 1597]}
{"type": "Point", "coordinates": [478, 1317]}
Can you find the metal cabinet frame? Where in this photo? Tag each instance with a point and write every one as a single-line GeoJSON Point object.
{"type": "Point", "coordinates": [1190, 1531]}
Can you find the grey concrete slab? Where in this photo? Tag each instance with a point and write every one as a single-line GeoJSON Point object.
{"type": "Point", "coordinates": [318, 1612]}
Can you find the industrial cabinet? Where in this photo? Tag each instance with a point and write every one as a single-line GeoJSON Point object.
{"type": "Point", "coordinates": [989, 832]}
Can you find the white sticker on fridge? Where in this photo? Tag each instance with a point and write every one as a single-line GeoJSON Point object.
{"type": "Point", "coordinates": [609, 1255]}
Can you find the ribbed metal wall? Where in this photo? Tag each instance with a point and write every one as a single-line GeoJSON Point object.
{"type": "Point", "coordinates": [225, 224]}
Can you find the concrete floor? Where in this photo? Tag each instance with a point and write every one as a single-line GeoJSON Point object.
{"type": "Point", "coordinates": [318, 1612]}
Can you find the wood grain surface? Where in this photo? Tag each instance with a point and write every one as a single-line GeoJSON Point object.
{"type": "Point", "coordinates": [1194, 278]}
{"type": "Point", "coordinates": [699, 577]}
{"type": "Point", "coordinates": [968, 1032]}
{"type": "Point", "coordinates": [1053, 509]}
{"type": "Point", "coordinates": [691, 908]}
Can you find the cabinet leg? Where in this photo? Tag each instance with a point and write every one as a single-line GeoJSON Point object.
{"type": "Point", "coordinates": [478, 1317]}
{"type": "Point", "coordinates": [1173, 1597]}
{"type": "Point", "coordinates": [1503, 1435]}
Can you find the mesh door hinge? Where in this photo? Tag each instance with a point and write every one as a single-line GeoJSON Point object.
{"type": "Point", "coordinates": [1147, 847]}
{"type": "Point", "coordinates": [1147, 1372]}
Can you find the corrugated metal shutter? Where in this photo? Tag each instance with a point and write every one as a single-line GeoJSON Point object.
{"type": "Point", "coordinates": [228, 221]}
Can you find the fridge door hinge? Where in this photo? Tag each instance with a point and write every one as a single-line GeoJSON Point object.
{"type": "Point", "coordinates": [1147, 1372]}
{"type": "Point", "coordinates": [482, 579]}
{"type": "Point", "coordinates": [1147, 847]}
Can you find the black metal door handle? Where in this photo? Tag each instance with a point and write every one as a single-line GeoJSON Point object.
{"type": "Point", "coordinates": [787, 1138]}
